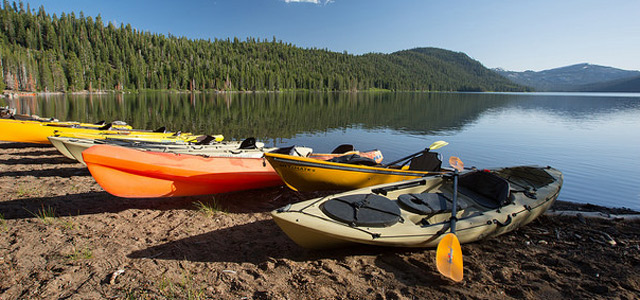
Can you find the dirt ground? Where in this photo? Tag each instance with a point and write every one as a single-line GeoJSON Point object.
{"type": "Point", "coordinates": [63, 237]}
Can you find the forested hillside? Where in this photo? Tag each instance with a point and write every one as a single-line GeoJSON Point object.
{"type": "Point", "coordinates": [42, 52]}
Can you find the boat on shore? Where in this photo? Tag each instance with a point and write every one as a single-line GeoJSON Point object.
{"type": "Point", "coordinates": [417, 212]}
{"type": "Point", "coordinates": [28, 131]}
{"type": "Point", "coordinates": [131, 173]}
{"type": "Point", "coordinates": [72, 147]}
{"type": "Point", "coordinates": [356, 171]}
{"type": "Point", "coordinates": [134, 173]}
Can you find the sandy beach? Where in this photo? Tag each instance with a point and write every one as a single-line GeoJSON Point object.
{"type": "Point", "coordinates": [63, 237]}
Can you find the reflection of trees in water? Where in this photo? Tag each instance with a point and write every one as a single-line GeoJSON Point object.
{"type": "Point", "coordinates": [283, 115]}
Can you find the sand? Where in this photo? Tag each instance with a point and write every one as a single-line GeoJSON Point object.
{"type": "Point", "coordinates": [63, 237]}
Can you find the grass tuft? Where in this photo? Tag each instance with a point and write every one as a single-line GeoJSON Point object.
{"type": "Point", "coordinates": [85, 253]}
{"type": "Point", "coordinates": [46, 215]}
{"type": "Point", "coordinates": [210, 208]}
{"type": "Point", "coordinates": [68, 224]}
{"type": "Point", "coordinates": [186, 289]}
{"type": "Point", "coordinates": [3, 223]}
{"type": "Point", "coordinates": [22, 191]}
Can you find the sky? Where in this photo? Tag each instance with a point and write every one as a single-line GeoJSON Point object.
{"type": "Point", "coordinates": [510, 34]}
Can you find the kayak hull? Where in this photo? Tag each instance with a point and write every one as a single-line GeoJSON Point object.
{"type": "Point", "coordinates": [305, 174]}
{"type": "Point", "coordinates": [131, 173]}
{"type": "Point", "coordinates": [73, 147]}
{"type": "Point", "coordinates": [311, 224]}
{"type": "Point", "coordinates": [38, 132]}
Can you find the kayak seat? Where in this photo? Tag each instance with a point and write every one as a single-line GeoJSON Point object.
{"type": "Point", "coordinates": [485, 188]}
{"type": "Point", "coordinates": [425, 203]}
{"type": "Point", "coordinates": [204, 140]}
{"type": "Point", "coordinates": [427, 161]}
{"type": "Point", "coordinates": [344, 148]}
{"type": "Point", "coordinates": [248, 143]}
{"type": "Point", "coordinates": [353, 159]}
{"type": "Point", "coordinates": [161, 129]}
{"type": "Point", "coordinates": [294, 151]}
{"type": "Point", "coordinates": [363, 210]}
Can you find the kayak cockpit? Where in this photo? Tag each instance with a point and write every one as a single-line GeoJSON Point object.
{"type": "Point", "coordinates": [430, 202]}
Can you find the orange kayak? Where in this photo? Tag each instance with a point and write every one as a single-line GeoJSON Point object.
{"type": "Point", "coordinates": [131, 173]}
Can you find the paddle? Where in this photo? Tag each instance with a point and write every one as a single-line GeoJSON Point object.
{"type": "Point", "coordinates": [449, 253]}
{"type": "Point", "coordinates": [434, 146]}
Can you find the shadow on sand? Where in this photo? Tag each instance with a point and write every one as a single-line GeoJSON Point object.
{"type": "Point", "coordinates": [11, 145]}
{"type": "Point", "coordinates": [261, 200]}
{"type": "Point", "coordinates": [254, 243]}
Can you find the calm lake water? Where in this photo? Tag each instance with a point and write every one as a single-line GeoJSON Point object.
{"type": "Point", "coordinates": [593, 138]}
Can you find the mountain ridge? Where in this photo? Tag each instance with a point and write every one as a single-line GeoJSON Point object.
{"type": "Point", "coordinates": [577, 77]}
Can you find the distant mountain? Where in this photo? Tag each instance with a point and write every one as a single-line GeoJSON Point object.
{"type": "Point", "coordinates": [580, 77]}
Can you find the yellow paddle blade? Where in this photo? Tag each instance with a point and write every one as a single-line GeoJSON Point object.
{"type": "Point", "coordinates": [449, 257]}
{"type": "Point", "coordinates": [456, 163]}
{"type": "Point", "coordinates": [437, 145]}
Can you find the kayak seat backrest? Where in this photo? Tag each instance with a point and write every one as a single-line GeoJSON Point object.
{"type": "Point", "coordinates": [161, 129]}
{"type": "Point", "coordinates": [425, 203]}
{"type": "Point", "coordinates": [344, 148]}
{"type": "Point", "coordinates": [204, 140]}
{"type": "Point", "coordinates": [293, 150]}
{"type": "Point", "coordinates": [427, 161]}
{"type": "Point", "coordinates": [353, 159]}
{"type": "Point", "coordinates": [366, 210]}
{"type": "Point", "coordinates": [485, 188]}
{"type": "Point", "coordinates": [248, 143]}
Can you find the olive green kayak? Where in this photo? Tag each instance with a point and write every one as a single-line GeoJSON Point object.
{"type": "Point", "coordinates": [417, 212]}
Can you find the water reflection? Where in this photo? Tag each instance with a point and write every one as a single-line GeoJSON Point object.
{"type": "Point", "coordinates": [268, 115]}
{"type": "Point", "coordinates": [581, 134]}
{"type": "Point", "coordinates": [283, 115]}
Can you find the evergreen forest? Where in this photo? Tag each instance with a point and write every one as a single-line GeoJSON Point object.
{"type": "Point", "coordinates": [67, 53]}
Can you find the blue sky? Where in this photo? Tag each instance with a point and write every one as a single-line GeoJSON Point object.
{"type": "Point", "coordinates": [514, 35]}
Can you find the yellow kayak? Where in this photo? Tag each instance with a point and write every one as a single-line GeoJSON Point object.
{"type": "Point", "coordinates": [38, 132]}
{"type": "Point", "coordinates": [306, 174]}
{"type": "Point", "coordinates": [9, 114]}
{"type": "Point", "coordinates": [29, 131]}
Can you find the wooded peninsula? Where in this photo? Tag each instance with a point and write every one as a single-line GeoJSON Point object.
{"type": "Point", "coordinates": [68, 53]}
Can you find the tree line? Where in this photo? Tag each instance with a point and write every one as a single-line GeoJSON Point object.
{"type": "Point", "coordinates": [42, 52]}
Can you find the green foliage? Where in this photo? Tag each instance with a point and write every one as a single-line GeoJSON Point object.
{"type": "Point", "coordinates": [46, 215]}
{"type": "Point", "coordinates": [185, 289]}
{"type": "Point", "coordinates": [78, 254]}
{"type": "Point", "coordinates": [3, 223]}
{"type": "Point", "coordinates": [68, 53]}
{"type": "Point", "coordinates": [209, 208]}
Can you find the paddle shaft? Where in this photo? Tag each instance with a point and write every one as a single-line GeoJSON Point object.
{"type": "Point", "coordinates": [405, 158]}
{"type": "Point", "coordinates": [455, 201]}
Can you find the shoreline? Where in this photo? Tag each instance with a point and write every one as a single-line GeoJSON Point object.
{"type": "Point", "coordinates": [62, 236]}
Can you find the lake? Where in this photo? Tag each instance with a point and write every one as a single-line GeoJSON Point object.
{"type": "Point", "coordinates": [593, 138]}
